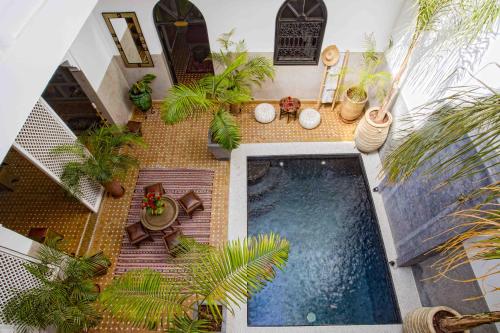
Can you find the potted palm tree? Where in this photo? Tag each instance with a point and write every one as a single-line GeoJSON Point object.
{"type": "Point", "coordinates": [213, 277]}
{"type": "Point", "coordinates": [253, 72]}
{"type": "Point", "coordinates": [140, 93]}
{"type": "Point", "coordinates": [65, 297]}
{"type": "Point", "coordinates": [99, 156]}
{"type": "Point", "coordinates": [471, 18]}
{"type": "Point", "coordinates": [216, 93]}
{"type": "Point", "coordinates": [355, 97]}
{"type": "Point", "coordinates": [465, 112]}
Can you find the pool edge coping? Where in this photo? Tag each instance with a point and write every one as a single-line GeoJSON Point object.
{"type": "Point", "coordinates": [402, 277]}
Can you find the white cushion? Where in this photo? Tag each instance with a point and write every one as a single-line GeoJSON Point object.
{"type": "Point", "coordinates": [309, 118]}
{"type": "Point", "coordinates": [265, 113]}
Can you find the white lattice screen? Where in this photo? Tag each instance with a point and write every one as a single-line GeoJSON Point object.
{"type": "Point", "coordinates": [44, 130]}
{"type": "Point", "coordinates": [13, 276]}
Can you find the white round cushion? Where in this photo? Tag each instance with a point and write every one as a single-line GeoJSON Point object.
{"type": "Point", "coordinates": [309, 118]}
{"type": "Point", "coordinates": [265, 113]}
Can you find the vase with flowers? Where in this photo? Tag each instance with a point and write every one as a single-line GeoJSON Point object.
{"type": "Point", "coordinates": [153, 203]}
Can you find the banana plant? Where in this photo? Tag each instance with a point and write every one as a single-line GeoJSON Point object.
{"type": "Point", "coordinates": [225, 276]}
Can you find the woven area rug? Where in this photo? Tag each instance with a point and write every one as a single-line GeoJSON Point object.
{"type": "Point", "coordinates": [176, 182]}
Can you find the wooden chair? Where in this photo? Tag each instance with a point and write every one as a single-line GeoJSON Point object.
{"type": "Point", "coordinates": [191, 202]}
{"type": "Point", "coordinates": [137, 233]}
{"type": "Point", "coordinates": [172, 241]}
{"type": "Point", "coordinates": [156, 188]}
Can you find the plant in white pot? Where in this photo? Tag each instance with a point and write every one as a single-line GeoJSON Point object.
{"type": "Point", "coordinates": [369, 79]}
{"type": "Point", "coordinates": [458, 22]}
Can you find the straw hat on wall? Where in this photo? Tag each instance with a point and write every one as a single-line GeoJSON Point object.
{"type": "Point", "coordinates": [330, 55]}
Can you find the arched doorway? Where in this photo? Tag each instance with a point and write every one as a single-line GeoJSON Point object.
{"type": "Point", "coordinates": [184, 37]}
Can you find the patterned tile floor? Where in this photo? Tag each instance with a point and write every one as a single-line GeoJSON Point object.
{"type": "Point", "coordinates": [181, 145]}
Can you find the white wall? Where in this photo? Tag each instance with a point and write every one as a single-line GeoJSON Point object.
{"type": "Point", "coordinates": [28, 64]}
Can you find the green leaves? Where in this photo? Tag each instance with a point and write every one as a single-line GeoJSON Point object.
{"type": "Point", "coordinates": [464, 113]}
{"type": "Point", "coordinates": [183, 101]}
{"type": "Point", "coordinates": [99, 156]}
{"type": "Point", "coordinates": [240, 268]}
{"type": "Point", "coordinates": [145, 298]}
{"type": "Point", "coordinates": [142, 86]}
{"type": "Point", "coordinates": [65, 297]}
{"type": "Point", "coordinates": [226, 276]}
{"type": "Point", "coordinates": [225, 130]}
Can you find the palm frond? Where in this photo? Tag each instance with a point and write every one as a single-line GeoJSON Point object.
{"type": "Point", "coordinates": [187, 325]}
{"type": "Point", "coordinates": [225, 130]}
{"type": "Point", "coordinates": [145, 298]}
{"type": "Point", "coordinates": [75, 149]}
{"type": "Point", "coordinates": [183, 101]}
{"type": "Point", "coordinates": [468, 117]}
{"type": "Point", "coordinates": [239, 269]}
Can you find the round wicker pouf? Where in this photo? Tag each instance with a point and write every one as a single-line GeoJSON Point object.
{"type": "Point", "coordinates": [265, 113]}
{"type": "Point", "coordinates": [309, 118]}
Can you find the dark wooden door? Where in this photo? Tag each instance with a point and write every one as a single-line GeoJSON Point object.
{"type": "Point", "coordinates": [64, 94]}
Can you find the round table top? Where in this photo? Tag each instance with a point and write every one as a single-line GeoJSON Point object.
{"type": "Point", "coordinates": [289, 104]}
{"type": "Point", "coordinates": [163, 221]}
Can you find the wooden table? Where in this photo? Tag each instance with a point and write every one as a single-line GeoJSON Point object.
{"type": "Point", "coordinates": [163, 221]}
{"type": "Point", "coordinates": [289, 106]}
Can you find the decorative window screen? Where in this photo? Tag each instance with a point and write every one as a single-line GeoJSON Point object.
{"type": "Point", "coordinates": [300, 27]}
{"type": "Point", "coordinates": [13, 276]}
{"type": "Point", "coordinates": [44, 130]}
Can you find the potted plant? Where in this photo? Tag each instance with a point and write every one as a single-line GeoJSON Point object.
{"type": "Point", "coordinates": [213, 277]}
{"type": "Point", "coordinates": [140, 93]}
{"type": "Point", "coordinates": [472, 19]}
{"type": "Point", "coordinates": [153, 203]}
{"type": "Point", "coordinates": [442, 319]}
{"type": "Point", "coordinates": [355, 97]}
{"type": "Point", "coordinates": [469, 112]}
{"type": "Point", "coordinates": [216, 93]}
{"type": "Point", "coordinates": [252, 72]}
{"type": "Point", "coordinates": [99, 156]}
{"type": "Point", "coordinates": [65, 297]}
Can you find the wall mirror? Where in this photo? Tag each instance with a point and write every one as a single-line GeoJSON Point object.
{"type": "Point", "coordinates": [128, 37]}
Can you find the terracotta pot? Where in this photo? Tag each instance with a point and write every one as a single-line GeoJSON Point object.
{"type": "Point", "coordinates": [422, 320]}
{"type": "Point", "coordinates": [115, 189]}
{"type": "Point", "coordinates": [370, 136]}
{"type": "Point", "coordinates": [351, 110]}
{"type": "Point", "coordinates": [235, 108]}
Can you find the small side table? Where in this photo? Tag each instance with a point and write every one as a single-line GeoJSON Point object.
{"type": "Point", "coordinates": [289, 107]}
{"type": "Point", "coordinates": [163, 221]}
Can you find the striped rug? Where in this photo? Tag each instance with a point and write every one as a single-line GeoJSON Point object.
{"type": "Point", "coordinates": [176, 182]}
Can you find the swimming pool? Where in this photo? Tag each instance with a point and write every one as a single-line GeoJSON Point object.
{"type": "Point", "coordinates": [337, 273]}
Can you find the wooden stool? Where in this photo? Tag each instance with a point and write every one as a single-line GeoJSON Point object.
{"type": "Point", "coordinates": [137, 233]}
{"type": "Point", "coordinates": [156, 188]}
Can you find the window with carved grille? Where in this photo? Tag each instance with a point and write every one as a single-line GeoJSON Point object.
{"type": "Point", "coordinates": [300, 27]}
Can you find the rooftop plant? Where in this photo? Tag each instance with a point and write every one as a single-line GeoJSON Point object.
{"type": "Point", "coordinates": [65, 296]}
{"type": "Point", "coordinates": [224, 276]}
{"type": "Point", "coordinates": [216, 92]}
{"type": "Point", "coordinates": [468, 117]}
{"type": "Point", "coordinates": [99, 155]}
{"type": "Point", "coordinates": [461, 21]}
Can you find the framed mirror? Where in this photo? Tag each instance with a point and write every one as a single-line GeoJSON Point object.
{"type": "Point", "coordinates": [128, 37]}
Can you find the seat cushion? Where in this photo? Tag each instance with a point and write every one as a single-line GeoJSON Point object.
{"type": "Point", "coordinates": [154, 188]}
{"type": "Point", "coordinates": [309, 118]}
{"type": "Point", "coordinates": [265, 113]}
{"type": "Point", "coordinates": [172, 239]}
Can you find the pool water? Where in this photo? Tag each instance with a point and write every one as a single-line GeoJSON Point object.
{"type": "Point", "coordinates": [337, 272]}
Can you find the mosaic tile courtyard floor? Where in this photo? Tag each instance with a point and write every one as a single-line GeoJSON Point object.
{"type": "Point", "coordinates": [179, 146]}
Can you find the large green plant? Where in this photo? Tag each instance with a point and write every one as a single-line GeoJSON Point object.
{"type": "Point", "coordinates": [65, 297]}
{"type": "Point", "coordinates": [214, 276]}
{"type": "Point", "coordinates": [215, 92]}
{"type": "Point", "coordinates": [369, 77]}
{"type": "Point", "coordinates": [99, 155]}
{"type": "Point", "coordinates": [456, 22]}
{"type": "Point", "coordinates": [469, 117]}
